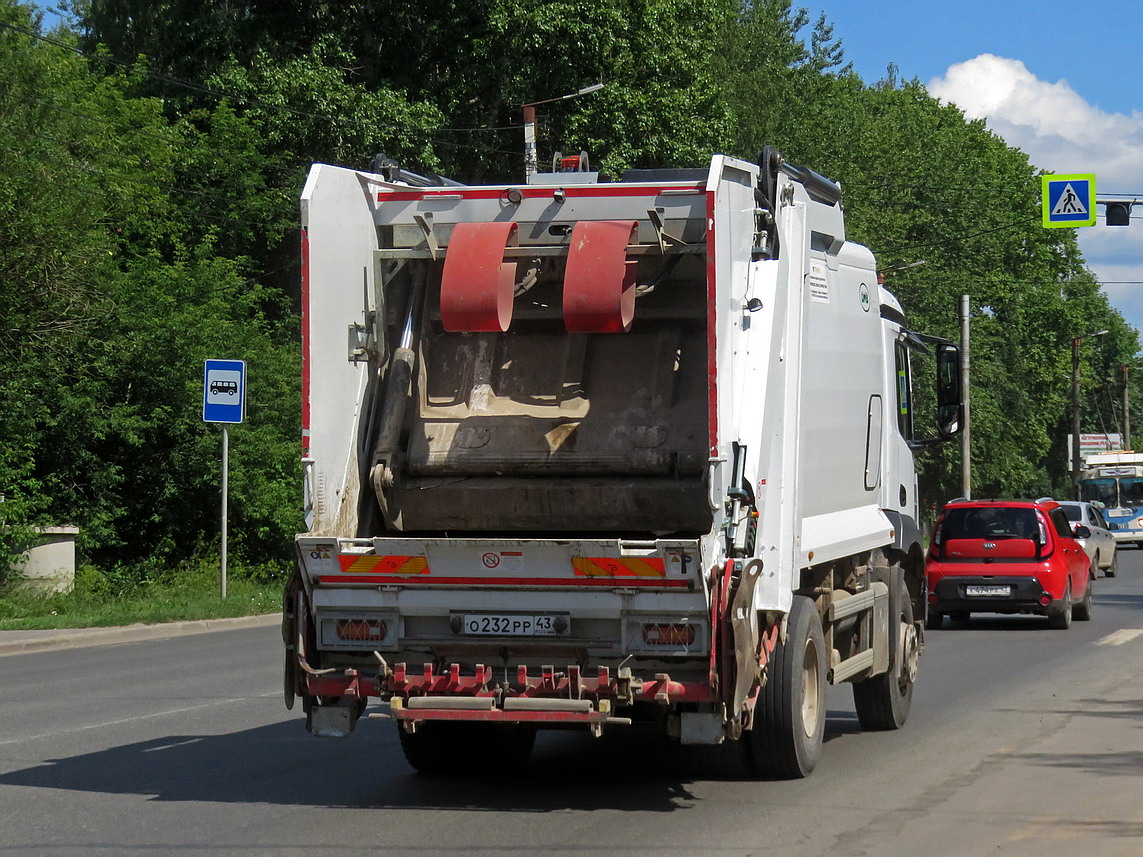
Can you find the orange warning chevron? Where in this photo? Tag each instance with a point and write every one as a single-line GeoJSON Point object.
{"type": "Point", "coordinates": [383, 564]}
{"type": "Point", "coordinates": [610, 566]}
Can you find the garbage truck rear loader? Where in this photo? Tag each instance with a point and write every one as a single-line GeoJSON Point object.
{"type": "Point", "coordinates": [604, 455]}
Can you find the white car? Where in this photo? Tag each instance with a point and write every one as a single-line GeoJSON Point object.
{"type": "Point", "coordinates": [1099, 544]}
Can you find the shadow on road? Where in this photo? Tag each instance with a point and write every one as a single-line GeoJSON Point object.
{"type": "Point", "coordinates": [281, 764]}
{"type": "Point", "coordinates": [1117, 599]}
{"type": "Point", "coordinates": [997, 622]}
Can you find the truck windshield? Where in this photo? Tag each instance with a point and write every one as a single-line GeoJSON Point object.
{"type": "Point", "coordinates": [989, 524]}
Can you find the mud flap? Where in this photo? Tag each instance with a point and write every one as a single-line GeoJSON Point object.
{"type": "Point", "coordinates": [332, 721]}
{"type": "Point", "coordinates": [290, 677]}
{"type": "Point", "coordinates": [744, 634]}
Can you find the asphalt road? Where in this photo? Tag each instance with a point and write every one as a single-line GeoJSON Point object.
{"type": "Point", "coordinates": [1022, 740]}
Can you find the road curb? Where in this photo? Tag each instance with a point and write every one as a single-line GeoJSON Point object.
{"type": "Point", "coordinates": [21, 642]}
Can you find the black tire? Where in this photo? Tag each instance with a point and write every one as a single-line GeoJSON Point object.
{"type": "Point", "coordinates": [789, 721]}
{"type": "Point", "coordinates": [473, 748]}
{"type": "Point", "coordinates": [1112, 569]}
{"type": "Point", "coordinates": [883, 701]}
{"type": "Point", "coordinates": [1060, 613]}
{"type": "Point", "coordinates": [959, 617]}
{"type": "Point", "coordinates": [432, 749]}
{"type": "Point", "coordinates": [934, 621]}
{"type": "Point", "coordinates": [1082, 612]}
{"type": "Point", "coordinates": [512, 747]}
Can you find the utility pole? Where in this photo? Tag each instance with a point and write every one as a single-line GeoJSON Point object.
{"type": "Point", "coordinates": [531, 164]}
{"type": "Point", "coordinates": [1126, 409]}
{"type": "Point", "coordinates": [1076, 408]}
{"type": "Point", "coordinates": [965, 446]}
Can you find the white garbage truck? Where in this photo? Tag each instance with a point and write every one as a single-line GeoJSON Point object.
{"type": "Point", "coordinates": [604, 454]}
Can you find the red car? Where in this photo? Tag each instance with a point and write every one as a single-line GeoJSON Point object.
{"type": "Point", "coordinates": [1007, 556]}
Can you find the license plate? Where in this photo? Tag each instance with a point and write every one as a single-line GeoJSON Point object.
{"type": "Point", "coordinates": [514, 625]}
{"type": "Point", "coordinates": [987, 591]}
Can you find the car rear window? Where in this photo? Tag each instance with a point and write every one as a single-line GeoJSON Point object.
{"type": "Point", "coordinates": [991, 523]}
{"type": "Point", "coordinates": [1072, 512]}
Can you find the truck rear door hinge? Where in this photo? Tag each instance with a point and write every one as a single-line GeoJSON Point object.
{"type": "Point", "coordinates": [361, 344]}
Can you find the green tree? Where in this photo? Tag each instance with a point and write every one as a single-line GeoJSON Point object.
{"type": "Point", "coordinates": [116, 281]}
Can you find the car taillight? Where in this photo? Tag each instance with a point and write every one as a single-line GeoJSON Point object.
{"type": "Point", "coordinates": [655, 634]}
{"type": "Point", "coordinates": [361, 629]}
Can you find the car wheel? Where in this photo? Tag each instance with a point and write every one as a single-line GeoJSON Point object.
{"type": "Point", "coordinates": [1112, 569]}
{"type": "Point", "coordinates": [1060, 613]}
{"type": "Point", "coordinates": [1082, 611]}
{"type": "Point", "coordinates": [934, 620]}
{"type": "Point", "coordinates": [959, 617]}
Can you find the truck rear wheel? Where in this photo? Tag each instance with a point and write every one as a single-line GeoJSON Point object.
{"type": "Point", "coordinates": [789, 722]}
{"type": "Point", "coordinates": [883, 701]}
{"type": "Point", "coordinates": [471, 748]}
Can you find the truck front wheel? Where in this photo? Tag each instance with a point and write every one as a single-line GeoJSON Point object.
{"type": "Point", "coordinates": [789, 721]}
{"type": "Point", "coordinates": [883, 701]}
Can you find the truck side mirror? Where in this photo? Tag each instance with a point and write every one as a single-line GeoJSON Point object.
{"type": "Point", "coordinates": [950, 400]}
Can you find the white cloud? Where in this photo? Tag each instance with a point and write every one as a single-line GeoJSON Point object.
{"type": "Point", "coordinates": [1061, 132]}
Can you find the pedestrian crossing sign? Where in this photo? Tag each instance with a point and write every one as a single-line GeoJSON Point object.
{"type": "Point", "coordinates": [1069, 200]}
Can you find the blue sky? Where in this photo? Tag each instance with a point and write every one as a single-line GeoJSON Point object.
{"type": "Point", "coordinates": [1095, 45]}
{"type": "Point", "coordinates": [1058, 80]}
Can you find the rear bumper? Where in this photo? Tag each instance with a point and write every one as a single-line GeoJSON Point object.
{"type": "Point", "coordinates": [1024, 594]}
{"type": "Point", "coordinates": [548, 699]}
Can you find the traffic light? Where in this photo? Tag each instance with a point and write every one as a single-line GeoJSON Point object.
{"type": "Point", "coordinates": [1118, 213]}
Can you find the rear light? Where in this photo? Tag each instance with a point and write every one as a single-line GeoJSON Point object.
{"type": "Point", "coordinates": [655, 634]}
{"type": "Point", "coordinates": [932, 598]}
{"type": "Point", "coordinates": [373, 630]}
{"type": "Point", "coordinates": [1045, 599]}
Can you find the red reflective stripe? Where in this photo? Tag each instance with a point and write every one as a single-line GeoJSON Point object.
{"type": "Point", "coordinates": [711, 329]}
{"type": "Point", "coordinates": [567, 582]}
{"type": "Point", "coordinates": [534, 192]}
{"type": "Point", "coordinates": [306, 357]}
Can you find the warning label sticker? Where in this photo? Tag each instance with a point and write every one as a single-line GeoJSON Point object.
{"type": "Point", "coordinates": [819, 285]}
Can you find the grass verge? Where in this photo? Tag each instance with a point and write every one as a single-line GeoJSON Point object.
{"type": "Point", "coordinates": [177, 595]}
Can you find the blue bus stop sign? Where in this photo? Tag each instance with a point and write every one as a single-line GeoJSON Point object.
{"type": "Point", "coordinates": [1068, 200]}
{"type": "Point", "coordinates": [224, 391]}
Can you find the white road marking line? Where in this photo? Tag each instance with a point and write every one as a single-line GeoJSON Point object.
{"type": "Point", "coordinates": [57, 732]}
{"type": "Point", "coordinates": [1118, 638]}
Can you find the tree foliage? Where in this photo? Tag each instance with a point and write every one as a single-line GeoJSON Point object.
{"type": "Point", "coordinates": [151, 155]}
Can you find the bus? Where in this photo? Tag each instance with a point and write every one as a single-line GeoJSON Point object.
{"type": "Point", "coordinates": [1115, 480]}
